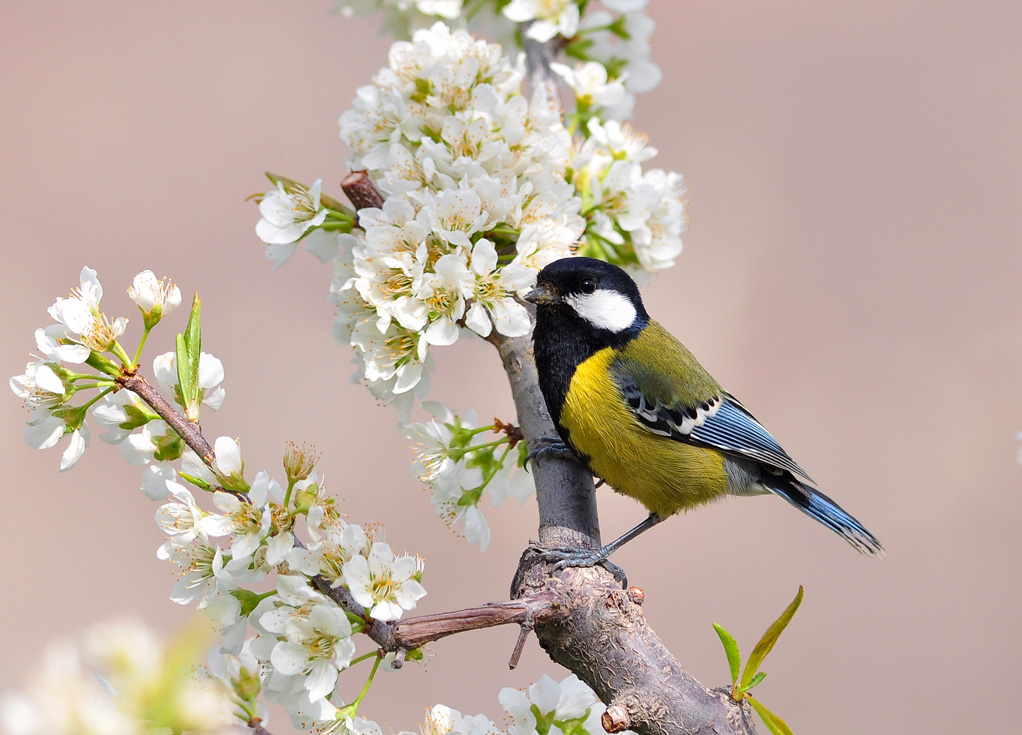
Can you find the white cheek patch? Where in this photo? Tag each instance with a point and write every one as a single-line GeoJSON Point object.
{"type": "Point", "coordinates": [604, 309]}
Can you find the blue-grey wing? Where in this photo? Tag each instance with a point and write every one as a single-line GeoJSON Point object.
{"type": "Point", "coordinates": [719, 423]}
{"type": "Point", "coordinates": [733, 429]}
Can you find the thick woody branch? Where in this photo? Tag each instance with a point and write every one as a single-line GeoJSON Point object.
{"type": "Point", "coordinates": [564, 488]}
{"type": "Point", "coordinates": [604, 638]}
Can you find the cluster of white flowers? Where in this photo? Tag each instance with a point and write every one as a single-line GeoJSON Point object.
{"type": "Point", "coordinates": [635, 216]}
{"type": "Point", "coordinates": [548, 706]}
{"type": "Point", "coordinates": [82, 331]}
{"type": "Point", "coordinates": [482, 187]}
{"type": "Point", "coordinates": [303, 638]}
{"type": "Point", "coordinates": [613, 61]}
{"type": "Point", "coordinates": [459, 469]}
{"type": "Point", "coordinates": [476, 203]}
{"type": "Point", "coordinates": [610, 45]}
{"type": "Point", "coordinates": [118, 680]}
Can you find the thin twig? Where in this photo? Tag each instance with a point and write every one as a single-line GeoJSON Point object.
{"type": "Point", "coordinates": [523, 634]}
{"type": "Point", "coordinates": [256, 726]}
{"type": "Point", "coordinates": [188, 431]}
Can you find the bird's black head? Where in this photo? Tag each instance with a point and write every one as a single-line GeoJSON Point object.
{"type": "Point", "coordinates": [590, 295]}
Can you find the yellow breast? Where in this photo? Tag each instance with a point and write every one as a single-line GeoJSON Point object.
{"type": "Point", "coordinates": [664, 475]}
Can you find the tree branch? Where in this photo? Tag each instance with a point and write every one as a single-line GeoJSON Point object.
{"type": "Point", "coordinates": [189, 432]}
{"type": "Point", "coordinates": [604, 637]}
{"type": "Point", "coordinates": [411, 633]}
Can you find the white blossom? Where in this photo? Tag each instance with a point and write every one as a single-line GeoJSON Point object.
{"type": "Point", "coordinates": [182, 519]}
{"type": "Point", "coordinates": [549, 17]}
{"type": "Point", "coordinates": [637, 217]}
{"type": "Point", "coordinates": [152, 296]}
{"type": "Point", "coordinates": [568, 705]}
{"type": "Point", "coordinates": [80, 314]}
{"type": "Point", "coordinates": [317, 645]}
{"type": "Point", "coordinates": [288, 214]}
{"type": "Point", "coordinates": [117, 680]}
{"type": "Point", "coordinates": [211, 374]}
{"type": "Point", "coordinates": [385, 584]}
{"type": "Point", "coordinates": [442, 720]}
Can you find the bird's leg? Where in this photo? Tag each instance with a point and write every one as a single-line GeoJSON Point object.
{"type": "Point", "coordinates": [566, 557]}
{"type": "Point", "coordinates": [549, 446]}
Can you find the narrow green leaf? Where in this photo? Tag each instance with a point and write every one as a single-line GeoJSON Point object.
{"type": "Point", "coordinates": [189, 348]}
{"type": "Point", "coordinates": [774, 723]}
{"type": "Point", "coordinates": [193, 335]}
{"type": "Point", "coordinates": [734, 658]}
{"type": "Point", "coordinates": [760, 676]}
{"type": "Point", "coordinates": [184, 375]}
{"type": "Point", "coordinates": [766, 643]}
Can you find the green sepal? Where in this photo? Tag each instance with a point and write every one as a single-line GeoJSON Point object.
{"type": "Point", "coordinates": [151, 318]}
{"type": "Point", "coordinates": [103, 364]}
{"type": "Point", "coordinates": [483, 459]}
{"type": "Point", "coordinates": [306, 497]}
{"type": "Point", "coordinates": [137, 416]}
{"type": "Point", "coordinates": [579, 49]}
{"type": "Point", "coordinates": [234, 483]}
{"type": "Point", "coordinates": [423, 89]}
{"type": "Point", "coordinates": [249, 599]}
{"type": "Point", "coordinates": [471, 497]}
{"type": "Point", "coordinates": [74, 417]}
{"type": "Point", "coordinates": [247, 686]}
{"type": "Point", "coordinates": [168, 447]}
{"type": "Point", "coordinates": [766, 643]}
{"type": "Point", "coordinates": [619, 28]}
{"type": "Point", "coordinates": [189, 348]}
{"type": "Point", "coordinates": [415, 654]}
{"type": "Point", "coordinates": [774, 723]}
{"type": "Point", "coordinates": [197, 481]}
{"type": "Point", "coordinates": [734, 658]}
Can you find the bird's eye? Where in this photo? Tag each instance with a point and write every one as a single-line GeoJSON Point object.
{"type": "Point", "coordinates": [588, 285]}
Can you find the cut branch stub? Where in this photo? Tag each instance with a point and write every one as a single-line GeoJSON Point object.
{"type": "Point", "coordinates": [361, 192]}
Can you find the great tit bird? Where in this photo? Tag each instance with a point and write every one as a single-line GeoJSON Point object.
{"type": "Point", "coordinates": [642, 414]}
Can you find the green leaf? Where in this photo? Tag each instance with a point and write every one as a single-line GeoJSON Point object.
{"type": "Point", "coordinates": [760, 676]}
{"type": "Point", "coordinates": [734, 658]}
{"type": "Point", "coordinates": [774, 723]}
{"type": "Point", "coordinates": [189, 348]}
{"type": "Point", "coordinates": [766, 643]}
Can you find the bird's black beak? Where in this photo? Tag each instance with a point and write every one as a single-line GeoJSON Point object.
{"type": "Point", "coordinates": [542, 295]}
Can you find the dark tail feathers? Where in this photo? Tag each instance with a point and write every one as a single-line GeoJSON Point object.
{"type": "Point", "coordinates": [816, 505]}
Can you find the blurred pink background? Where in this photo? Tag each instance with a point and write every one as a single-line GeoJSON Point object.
{"type": "Point", "coordinates": [851, 273]}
